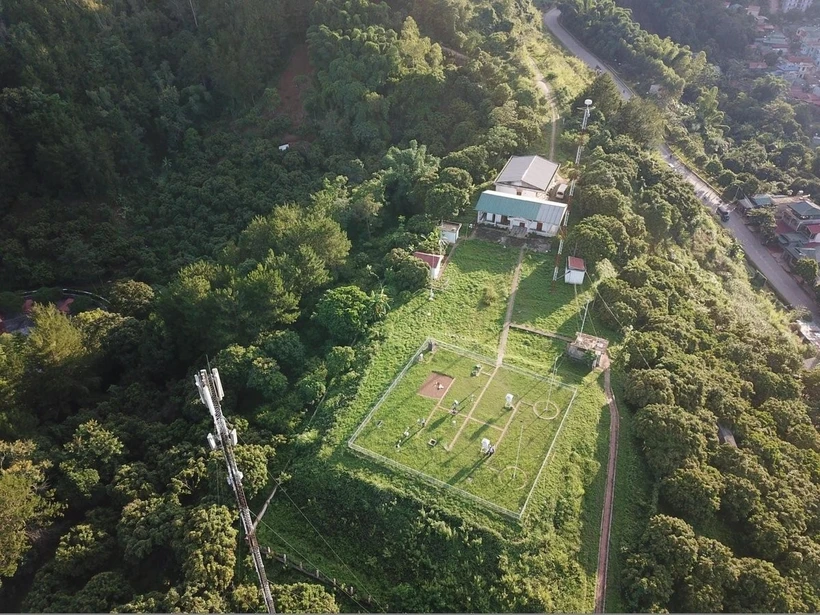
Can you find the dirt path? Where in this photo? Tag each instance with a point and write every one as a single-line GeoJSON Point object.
{"type": "Point", "coordinates": [502, 344]}
{"type": "Point", "coordinates": [542, 85]}
{"type": "Point", "coordinates": [609, 494]}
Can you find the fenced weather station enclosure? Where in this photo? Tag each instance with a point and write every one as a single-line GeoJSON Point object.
{"type": "Point", "coordinates": [462, 422]}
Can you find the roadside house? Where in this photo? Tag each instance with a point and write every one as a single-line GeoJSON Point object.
{"type": "Point", "coordinates": [801, 213]}
{"type": "Point", "coordinates": [794, 252]}
{"type": "Point", "coordinates": [747, 204]}
{"type": "Point", "coordinates": [812, 233]}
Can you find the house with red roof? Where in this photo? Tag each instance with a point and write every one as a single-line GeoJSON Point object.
{"type": "Point", "coordinates": [433, 261]}
{"type": "Point", "coordinates": [812, 231]}
{"type": "Point", "coordinates": [575, 271]}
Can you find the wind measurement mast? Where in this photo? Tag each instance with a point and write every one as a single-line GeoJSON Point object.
{"type": "Point", "coordinates": [562, 232]}
{"type": "Point", "coordinates": [210, 392]}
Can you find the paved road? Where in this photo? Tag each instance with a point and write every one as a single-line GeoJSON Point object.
{"type": "Point", "coordinates": [783, 283]}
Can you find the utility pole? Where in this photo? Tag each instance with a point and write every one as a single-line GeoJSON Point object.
{"type": "Point", "coordinates": [210, 392]}
{"type": "Point", "coordinates": [562, 231]}
{"type": "Point", "coordinates": [586, 310]}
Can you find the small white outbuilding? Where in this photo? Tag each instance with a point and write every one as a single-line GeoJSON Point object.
{"type": "Point", "coordinates": [576, 270]}
{"type": "Point", "coordinates": [449, 231]}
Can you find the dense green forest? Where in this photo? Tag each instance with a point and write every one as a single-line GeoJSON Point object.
{"type": "Point", "coordinates": [733, 123]}
{"type": "Point", "coordinates": [736, 529]}
{"type": "Point", "coordinates": [141, 141]}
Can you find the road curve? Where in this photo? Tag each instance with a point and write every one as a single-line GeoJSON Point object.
{"type": "Point", "coordinates": [779, 279]}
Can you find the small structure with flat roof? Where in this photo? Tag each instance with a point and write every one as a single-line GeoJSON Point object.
{"type": "Point", "coordinates": [449, 231]}
{"type": "Point", "coordinates": [433, 261]}
{"type": "Point", "coordinates": [576, 270]}
{"type": "Point", "coordinates": [587, 348]}
{"type": "Point", "coordinates": [725, 436]}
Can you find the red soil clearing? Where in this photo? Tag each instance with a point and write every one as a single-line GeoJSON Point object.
{"type": "Point", "coordinates": [435, 386]}
{"type": "Point", "coordinates": [291, 88]}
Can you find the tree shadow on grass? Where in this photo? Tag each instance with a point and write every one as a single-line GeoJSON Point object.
{"type": "Point", "coordinates": [478, 433]}
{"type": "Point", "coordinates": [466, 471]}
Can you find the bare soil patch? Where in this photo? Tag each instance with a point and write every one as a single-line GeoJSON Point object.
{"type": "Point", "coordinates": [436, 385]}
{"type": "Point", "coordinates": [291, 88]}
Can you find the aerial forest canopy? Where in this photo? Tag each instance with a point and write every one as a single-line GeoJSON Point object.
{"type": "Point", "coordinates": [141, 141]}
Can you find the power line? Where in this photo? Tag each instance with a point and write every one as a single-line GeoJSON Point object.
{"type": "Point", "coordinates": [279, 486]}
{"type": "Point", "coordinates": [210, 392]}
{"type": "Point", "coordinates": [310, 563]}
{"type": "Point", "coordinates": [353, 574]}
{"type": "Point", "coordinates": [562, 230]}
{"type": "Point", "coordinates": [620, 324]}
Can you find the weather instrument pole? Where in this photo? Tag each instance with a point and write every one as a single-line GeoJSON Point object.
{"type": "Point", "coordinates": [210, 393]}
{"type": "Point", "coordinates": [562, 230]}
{"type": "Point", "coordinates": [553, 371]}
{"type": "Point", "coordinates": [518, 454]}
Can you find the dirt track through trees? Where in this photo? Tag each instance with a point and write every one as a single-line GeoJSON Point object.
{"type": "Point", "coordinates": [609, 494]}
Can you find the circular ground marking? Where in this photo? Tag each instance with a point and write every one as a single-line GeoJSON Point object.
{"type": "Point", "coordinates": [510, 477]}
{"type": "Point", "coordinates": [542, 411]}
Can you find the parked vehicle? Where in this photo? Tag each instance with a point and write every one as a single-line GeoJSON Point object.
{"type": "Point", "coordinates": [561, 191]}
{"type": "Point", "coordinates": [724, 211]}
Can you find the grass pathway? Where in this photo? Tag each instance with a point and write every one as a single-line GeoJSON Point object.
{"type": "Point", "coordinates": [502, 344]}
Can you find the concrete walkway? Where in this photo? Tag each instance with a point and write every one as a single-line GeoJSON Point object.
{"type": "Point", "coordinates": [551, 334]}
{"type": "Point", "coordinates": [502, 348]}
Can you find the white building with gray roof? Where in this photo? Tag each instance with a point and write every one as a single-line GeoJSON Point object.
{"type": "Point", "coordinates": [527, 176]}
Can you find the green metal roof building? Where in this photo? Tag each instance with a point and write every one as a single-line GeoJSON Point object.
{"type": "Point", "coordinates": [514, 212]}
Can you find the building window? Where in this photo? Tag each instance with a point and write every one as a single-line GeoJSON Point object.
{"type": "Point", "coordinates": [505, 220]}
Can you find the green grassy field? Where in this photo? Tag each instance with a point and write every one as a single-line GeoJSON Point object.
{"type": "Point", "coordinates": [556, 308]}
{"type": "Point", "coordinates": [560, 527]}
{"type": "Point", "coordinates": [522, 434]}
